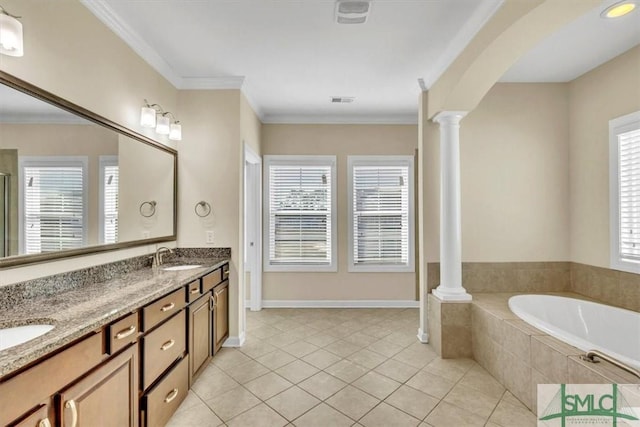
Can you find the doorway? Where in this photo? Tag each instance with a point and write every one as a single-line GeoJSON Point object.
{"type": "Point", "coordinates": [253, 227]}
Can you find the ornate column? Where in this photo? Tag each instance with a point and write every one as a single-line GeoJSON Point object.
{"type": "Point", "coordinates": [450, 288]}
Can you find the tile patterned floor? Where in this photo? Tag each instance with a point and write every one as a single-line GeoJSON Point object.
{"type": "Point", "coordinates": [344, 367]}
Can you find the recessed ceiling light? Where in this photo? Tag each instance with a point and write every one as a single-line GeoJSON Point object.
{"type": "Point", "coordinates": [619, 9]}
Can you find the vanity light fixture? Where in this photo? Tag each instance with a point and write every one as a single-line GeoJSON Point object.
{"type": "Point", "coordinates": [619, 9]}
{"type": "Point", "coordinates": [153, 116]}
{"type": "Point", "coordinates": [11, 42]}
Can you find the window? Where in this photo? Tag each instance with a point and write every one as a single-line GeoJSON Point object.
{"type": "Point", "coordinates": [381, 213]}
{"type": "Point", "coordinates": [53, 203]}
{"type": "Point", "coordinates": [108, 199]}
{"type": "Point", "coordinates": [299, 212]}
{"type": "Point", "coordinates": [624, 145]}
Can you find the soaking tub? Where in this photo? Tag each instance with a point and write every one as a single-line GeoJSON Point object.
{"type": "Point", "coordinates": [583, 324]}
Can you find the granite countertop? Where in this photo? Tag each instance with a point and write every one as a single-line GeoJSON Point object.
{"type": "Point", "coordinates": [79, 311]}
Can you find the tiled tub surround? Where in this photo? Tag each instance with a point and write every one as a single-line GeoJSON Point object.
{"type": "Point", "coordinates": [605, 285]}
{"type": "Point", "coordinates": [528, 277]}
{"type": "Point", "coordinates": [521, 356]}
{"type": "Point", "coordinates": [90, 304]}
{"type": "Point", "coordinates": [449, 328]}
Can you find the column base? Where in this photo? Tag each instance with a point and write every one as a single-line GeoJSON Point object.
{"type": "Point", "coordinates": [445, 294]}
{"type": "Point", "coordinates": [423, 337]}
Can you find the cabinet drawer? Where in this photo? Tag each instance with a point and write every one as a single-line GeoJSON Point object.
{"type": "Point", "coordinates": [193, 291]}
{"type": "Point", "coordinates": [225, 272]}
{"type": "Point", "coordinates": [122, 333]}
{"type": "Point", "coordinates": [38, 418]}
{"type": "Point", "coordinates": [162, 347]}
{"type": "Point", "coordinates": [163, 400]}
{"type": "Point", "coordinates": [163, 309]}
{"type": "Point", "coordinates": [211, 279]}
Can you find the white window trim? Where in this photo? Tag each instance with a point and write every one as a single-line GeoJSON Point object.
{"type": "Point", "coordinates": [288, 160]}
{"type": "Point", "coordinates": [34, 161]}
{"type": "Point", "coordinates": [617, 126]}
{"type": "Point", "coordinates": [382, 161]}
{"type": "Point", "coordinates": [104, 161]}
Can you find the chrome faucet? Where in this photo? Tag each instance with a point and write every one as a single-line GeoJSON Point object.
{"type": "Point", "coordinates": [157, 258]}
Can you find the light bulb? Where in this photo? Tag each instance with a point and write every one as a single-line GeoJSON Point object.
{"type": "Point", "coordinates": [175, 133]}
{"type": "Point", "coordinates": [162, 125]}
{"type": "Point", "coordinates": [10, 36]}
{"type": "Point", "coordinates": [148, 117]}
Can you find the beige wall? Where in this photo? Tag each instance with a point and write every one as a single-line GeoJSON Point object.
{"type": "Point", "coordinates": [211, 154]}
{"type": "Point", "coordinates": [514, 177]}
{"type": "Point", "coordinates": [609, 91]}
{"type": "Point", "coordinates": [339, 140]}
{"type": "Point", "coordinates": [514, 172]}
{"type": "Point", "coordinates": [70, 53]}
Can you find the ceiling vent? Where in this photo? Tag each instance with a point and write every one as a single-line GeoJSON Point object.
{"type": "Point", "coordinates": [342, 99]}
{"type": "Point", "coordinates": [352, 11]}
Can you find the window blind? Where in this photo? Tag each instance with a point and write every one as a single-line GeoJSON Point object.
{"type": "Point", "coordinates": [110, 204]}
{"type": "Point", "coordinates": [53, 208]}
{"type": "Point", "coordinates": [380, 215]}
{"type": "Point", "coordinates": [629, 194]}
{"type": "Point", "coordinates": [300, 219]}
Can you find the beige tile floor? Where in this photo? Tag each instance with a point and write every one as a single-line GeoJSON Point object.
{"type": "Point", "coordinates": [344, 367]}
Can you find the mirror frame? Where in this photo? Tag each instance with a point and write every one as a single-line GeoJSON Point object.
{"type": "Point", "coordinates": [43, 95]}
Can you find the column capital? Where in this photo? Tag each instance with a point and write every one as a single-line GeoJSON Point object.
{"type": "Point", "coordinates": [449, 117]}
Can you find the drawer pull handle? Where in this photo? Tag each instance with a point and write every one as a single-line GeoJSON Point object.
{"type": "Point", "coordinates": [167, 345]}
{"type": "Point", "coordinates": [44, 423]}
{"type": "Point", "coordinates": [195, 291]}
{"type": "Point", "coordinates": [226, 274]}
{"type": "Point", "coordinates": [172, 395]}
{"type": "Point", "coordinates": [125, 332]}
{"type": "Point", "coordinates": [212, 303]}
{"type": "Point", "coordinates": [167, 307]}
{"type": "Point", "coordinates": [74, 412]}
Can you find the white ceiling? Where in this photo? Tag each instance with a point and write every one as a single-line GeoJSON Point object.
{"type": "Point", "coordinates": [290, 57]}
{"type": "Point", "coordinates": [577, 48]}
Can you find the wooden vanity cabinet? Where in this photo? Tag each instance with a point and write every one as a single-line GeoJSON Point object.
{"type": "Point", "coordinates": [108, 396]}
{"type": "Point", "coordinates": [220, 315]}
{"type": "Point", "coordinates": [43, 416]}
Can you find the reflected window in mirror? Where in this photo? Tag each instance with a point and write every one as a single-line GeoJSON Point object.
{"type": "Point", "coordinates": [108, 199]}
{"type": "Point", "coordinates": [123, 170]}
{"type": "Point", "coordinates": [53, 203]}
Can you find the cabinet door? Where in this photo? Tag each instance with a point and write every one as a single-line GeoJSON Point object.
{"type": "Point", "coordinates": [199, 336]}
{"type": "Point", "coordinates": [108, 396]}
{"type": "Point", "coordinates": [221, 314]}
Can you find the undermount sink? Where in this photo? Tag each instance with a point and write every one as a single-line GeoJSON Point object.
{"type": "Point", "coordinates": [10, 337]}
{"type": "Point", "coordinates": [181, 267]}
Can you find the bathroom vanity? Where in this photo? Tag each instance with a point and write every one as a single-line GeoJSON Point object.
{"type": "Point", "coordinates": [122, 352]}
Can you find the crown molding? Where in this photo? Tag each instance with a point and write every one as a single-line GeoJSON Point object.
{"type": "Point", "coordinates": [346, 119]}
{"type": "Point", "coordinates": [468, 31]}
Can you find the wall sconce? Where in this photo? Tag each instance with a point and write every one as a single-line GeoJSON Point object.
{"type": "Point", "coordinates": [10, 34]}
{"type": "Point", "coordinates": [153, 116]}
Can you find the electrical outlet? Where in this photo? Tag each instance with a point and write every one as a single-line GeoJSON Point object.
{"type": "Point", "coordinates": [209, 236]}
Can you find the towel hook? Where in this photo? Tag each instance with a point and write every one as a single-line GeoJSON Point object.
{"type": "Point", "coordinates": [202, 209]}
{"type": "Point", "coordinates": [150, 210]}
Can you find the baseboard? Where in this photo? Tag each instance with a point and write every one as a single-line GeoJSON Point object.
{"type": "Point", "coordinates": [423, 337]}
{"type": "Point", "coordinates": [235, 341]}
{"type": "Point", "coordinates": [339, 304]}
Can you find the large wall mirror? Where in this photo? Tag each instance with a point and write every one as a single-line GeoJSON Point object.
{"type": "Point", "coordinates": [73, 183]}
